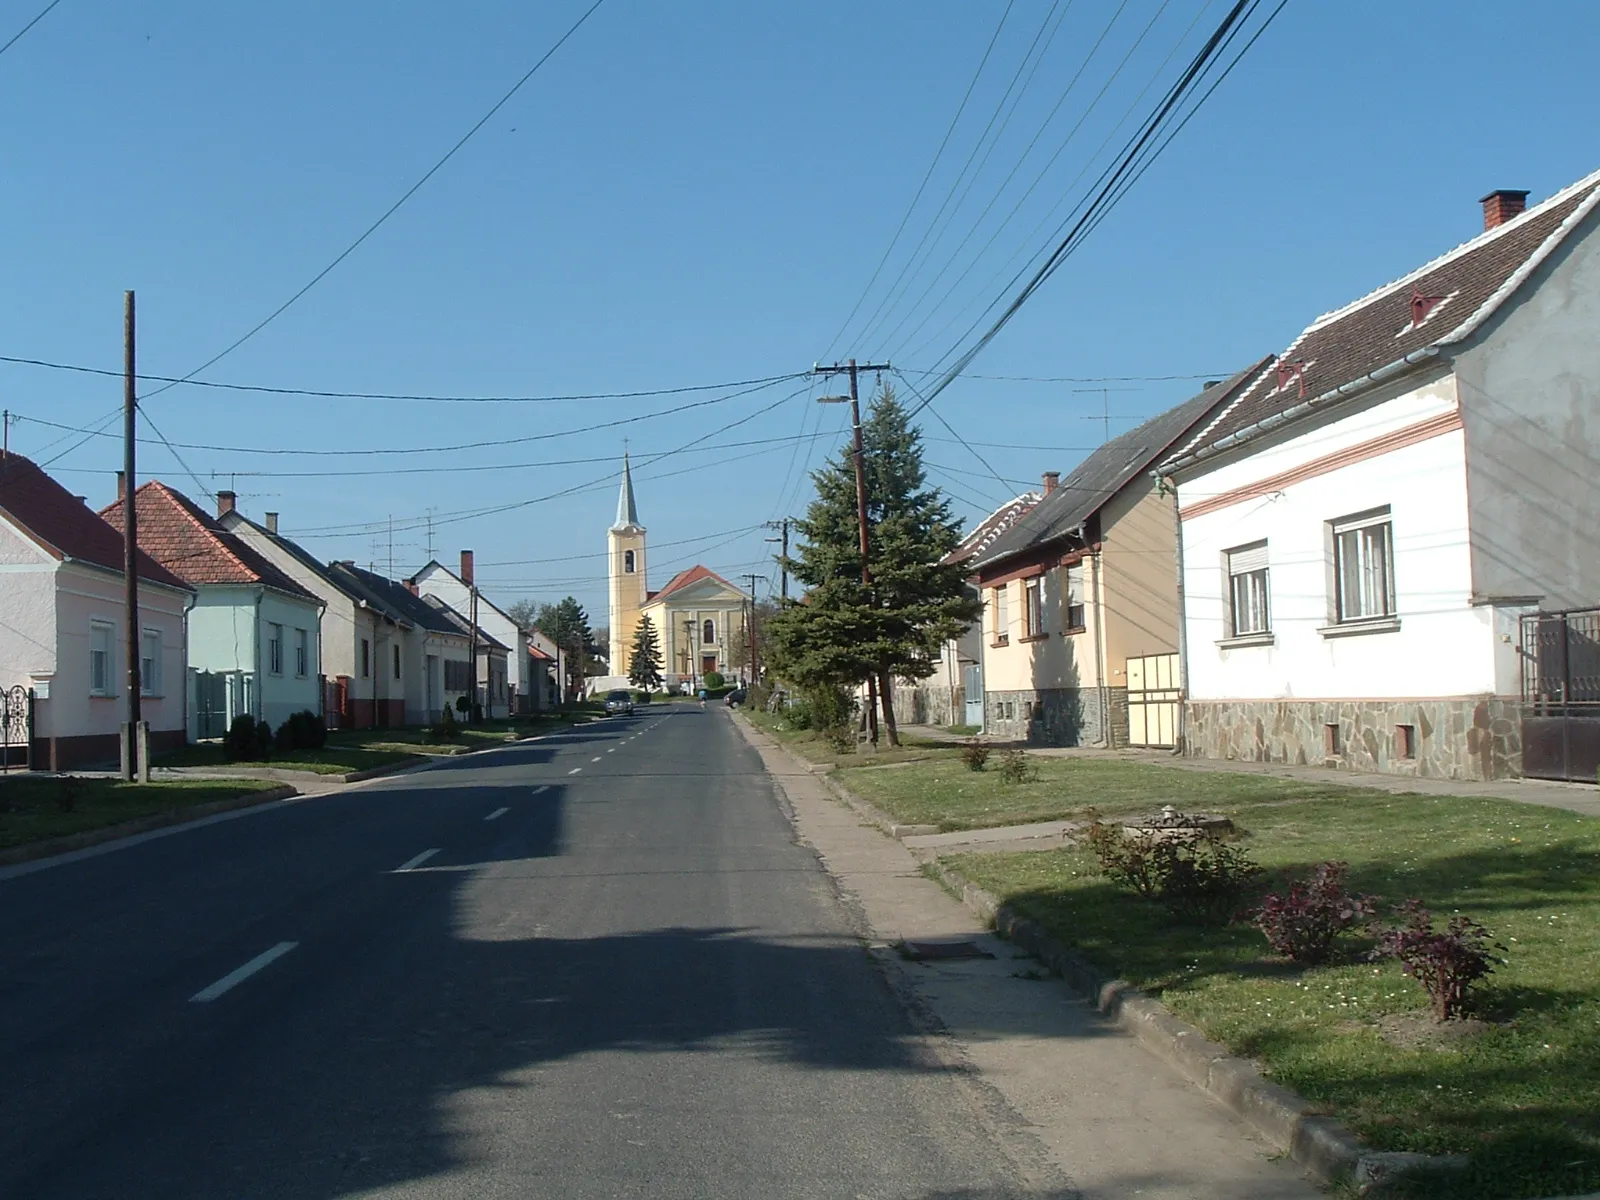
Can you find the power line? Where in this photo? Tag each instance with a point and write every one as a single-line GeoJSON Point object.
{"type": "Point", "coordinates": [921, 187]}
{"type": "Point", "coordinates": [392, 209]}
{"type": "Point", "coordinates": [335, 395]}
{"type": "Point", "coordinates": [17, 37]}
{"type": "Point", "coordinates": [1078, 378]}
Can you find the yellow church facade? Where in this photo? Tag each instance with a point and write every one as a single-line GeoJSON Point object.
{"type": "Point", "coordinates": [697, 614]}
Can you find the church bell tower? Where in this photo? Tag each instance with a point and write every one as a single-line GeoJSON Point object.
{"type": "Point", "coordinates": [625, 543]}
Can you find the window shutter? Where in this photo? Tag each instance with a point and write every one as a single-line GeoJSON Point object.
{"type": "Point", "coordinates": [1247, 558]}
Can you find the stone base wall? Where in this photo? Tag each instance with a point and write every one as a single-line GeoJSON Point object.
{"type": "Point", "coordinates": [1452, 738]}
{"type": "Point", "coordinates": [925, 703]}
{"type": "Point", "coordinates": [1117, 703]}
{"type": "Point", "coordinates": [1051, 716]}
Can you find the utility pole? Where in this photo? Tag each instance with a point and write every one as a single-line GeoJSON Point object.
{"type": "Point", "coordinates": [754, 660]}
{"type": "Point", "coordinates": [130, 534]}
{"type": "Point", "coordinates": [783, 563]}
{"type": "Point", "coordinates": [852, 369]}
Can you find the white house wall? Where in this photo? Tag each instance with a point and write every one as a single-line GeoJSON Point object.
{"type": "Point", "coordinates": [27, 602]}
{"type": "Point", "coordinates": [448, 587]}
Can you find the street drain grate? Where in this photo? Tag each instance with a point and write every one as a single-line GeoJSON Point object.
{"type": "Point", "coordinates": [943, 949]}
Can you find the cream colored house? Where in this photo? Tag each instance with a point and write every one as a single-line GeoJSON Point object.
{"type": "Point", "coordinates": [1080, 627]}
{"type": "Point", "coordinates": [695, 615]}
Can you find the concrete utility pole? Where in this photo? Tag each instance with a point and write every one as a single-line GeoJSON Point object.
{"type": "Point", "coordinates": [754, 660]}
{"type": "Point", "coordinates": [784, 561]}
{"type": "Point", "coordinates": [130, 537]}
{"type": "Point", "coordinates": [852, 369]}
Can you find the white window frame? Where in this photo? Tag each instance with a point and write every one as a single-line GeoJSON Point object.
{"type": "Point", "coordinates": [99, 630]}
{"type": "Point", "coordinates": [302, 653]}
{"type": "Point", "coordinates": [274, 648]}
{"type": "Point", "coordinates": [1363, 568]}
{"type": "Point", "coordinates": [1249, 592]}
{"type": "Point", "coordinates": [1075, 601]}
{"type": "Point", "coordinates": [1002, 618]}
{"type": "Point", "coordinates": [1033, 607]}
{"type": "Point", "coordinates": [150, 680]}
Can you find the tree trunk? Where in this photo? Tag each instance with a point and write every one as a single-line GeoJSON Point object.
{"type": "Point", "coordinates": [886, 695]}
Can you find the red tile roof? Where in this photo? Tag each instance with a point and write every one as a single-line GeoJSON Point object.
{"type": "Point", "coordinates": [189, 542]}
{"type": "Point", "coordinates": [1453, 295]}
{"type": "Point", "coordinates": [535, 653]}
{"type": "Point", "coordinates": [63, 525]}
{"type": "Point", "coordinates": [686, 577]}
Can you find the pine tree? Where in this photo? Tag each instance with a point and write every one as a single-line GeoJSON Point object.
{"type": "Point", "coordinates": [846, 632]}
{"type": "Point", "coordinates": [567, 625]}
{"type": "Point", "coordinates": [644, 664]}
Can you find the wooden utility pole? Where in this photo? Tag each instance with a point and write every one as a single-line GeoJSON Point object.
{"type": "Point", "coordinates": [853, 370]}
{"type": "Point", "coordinates": [783, 563]}
{"type": "Point", "coordinates": [754, 659]}
{"type": "Point", "coordinates": [130, 533]}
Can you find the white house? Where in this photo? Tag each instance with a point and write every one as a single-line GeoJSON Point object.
{"type": "Point", "coordinates": [1365, 526]}
{"type": "Point", "coordinates": [492, 658]}
{"type": "Point", "coordinates": [254, 633]}
{"type": "Point", "coordinates": [361, 634]}
{"type": "Point", "coordinates": [64, 628]}
{"type": "Point", "coordinates": [460, 593]}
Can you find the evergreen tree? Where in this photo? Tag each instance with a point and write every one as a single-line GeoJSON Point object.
{"type": "Point", "coordinates": [567, 625]}
{"type": "Point", "coordinates": [644, 664]}
{"type": "Point", "coordinates": [846, 632]}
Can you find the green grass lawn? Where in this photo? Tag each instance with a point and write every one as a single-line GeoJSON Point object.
{"type": "Point", "coordinates": [338, 757]}
{"type": "Point", "coordinates": [812, 746]}
{"type": "Point", "coordinates": [35, 807]}
{"type": "Point", "coordinates": [945, 793]}
{"type": "Point", "coordinates": [1522, 1095]}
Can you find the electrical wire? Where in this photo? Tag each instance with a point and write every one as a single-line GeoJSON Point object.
{"type": "Point", "coordinates": [17, 37]}
{"type": "Point", "coordinates": [391, 210]}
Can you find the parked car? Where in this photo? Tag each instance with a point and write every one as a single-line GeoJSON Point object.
{"type": "Point", "coordinates": [735, 698]}
{"type": "Point", "coordinates": [619, 702]}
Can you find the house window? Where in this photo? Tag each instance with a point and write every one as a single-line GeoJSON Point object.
{"type": "Point", "coordinates": [1332, 745]}
{"type": "Point", "coordinates": [1033, 606]}
{"type": "Point", "coordinates": [302, 653]}
{"type": "Point", "coordinates": [275, 649]}
{"type": "Point", "coordinates": [366, 658]}
{"type": "Point", "coordinates": [1405, 741]}
{"type": "Point", "coordinates": [1247, 590]}
{"type": "Point", "coordinates": [101, 638]}
{"type": "Point", "coordinates": [1363, 567]}
{"type": "Point", "coordinates": [1075, 594]}
{"type": "Point", "coordinates": [708, 631]}
{"type": "Point", "coordinates": [1002, 619]}
{"type": "Point", "coordinates": [150, 663]}
{"type": "Point", "coordinates": [457, 677]}
{"type": "Point", "coordinates": [397, 662]}
{"type": "Point", "coordinates": [627, 561]}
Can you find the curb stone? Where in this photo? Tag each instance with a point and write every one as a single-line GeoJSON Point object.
{"type": "Point", "coordinates": [394, 768]}
{"type": "Point", "coordinates": [111, 833]}
{"type": "Point", "coordinates": [1321, 1144]}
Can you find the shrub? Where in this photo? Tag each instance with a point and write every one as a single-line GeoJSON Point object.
{"type": "Point", "coordinates": [1204, 879]}
{"type": "Point", "coordinates": [1017, 767]}
{"type": "Point", "coordinates": [463, 705]}
{"type": "Point", "coordinates": [68, 789]}
{"type": "Point", "coordinates": [975, 753]}
{"type": "Point", "coordinates": [283, 741]}
{"type": "Point", "coordinates": [1129, 860]}
{"type": "Point", "coordinates": [444, 729]}
{"type": "Point", "coordinates": [841, 738]}
{"type": "Point", "coordinates": [306, 730]}
{"type": "Point", "coordinates": [712, 679]}
{"type": "Point", "coordinates": [1446, 963]}
{"type": "Point", "coordinates": [241, 742]}
{"type": "Point", "coordinates": [263, 740]}
{"type": "Point", "coordinates": [1304, 921]}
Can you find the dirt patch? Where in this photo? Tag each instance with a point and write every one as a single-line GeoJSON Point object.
{"type": "Point", "coordinates": [1420, 1031]}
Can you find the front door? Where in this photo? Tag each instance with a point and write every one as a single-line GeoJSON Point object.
{"type": "Point", "coordinates": [708, 663]}
{"type": "Point", "coordinates": [1153, 700]}
{"type": "Point", "coordinates": [972, 682]}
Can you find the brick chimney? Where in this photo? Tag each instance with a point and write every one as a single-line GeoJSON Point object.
{"type": "Point", "coordinates": [225, 501]}
{"type": "Point", "coordinates": [272, 523]}
{"type": "Point", "coordinates": [122, 486]}
{"type": "Point", "coordinates": [1500, 205]}
{"type": "Point", "coordinates": [466, 566]}
{"type": "Point", "coordinates": [1052, 479]}
{"type": "Point", "coordinates": [411, 586]}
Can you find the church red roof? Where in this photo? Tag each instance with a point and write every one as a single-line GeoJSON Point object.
{"type": "Point", "coordinates": [686, 577]}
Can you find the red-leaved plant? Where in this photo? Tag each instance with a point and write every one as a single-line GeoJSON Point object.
{"type": "Point", "coordinates": [1304, 921]}
{"type": "Point", "coordinates": [1446, 963]}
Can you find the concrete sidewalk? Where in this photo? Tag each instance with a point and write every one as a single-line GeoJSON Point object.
{"type": "Point", "coordinates": [1081, 1096]}
{"type": "Point", "coordinates": [1581, 798]}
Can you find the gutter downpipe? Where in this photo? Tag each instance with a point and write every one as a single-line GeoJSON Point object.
{"type": "Point", "coordinates": [260, 702]}
{"type": "Point", "coordinates": [1181, 746]}
{"type": "Point", "coordinates": [1099, 646]}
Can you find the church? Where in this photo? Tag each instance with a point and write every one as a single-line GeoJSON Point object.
{"type": "Point", "coordinates": [696, 614]}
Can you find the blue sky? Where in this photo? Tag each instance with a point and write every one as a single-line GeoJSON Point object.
{"type": "Point", "coordinates": [692, 193]}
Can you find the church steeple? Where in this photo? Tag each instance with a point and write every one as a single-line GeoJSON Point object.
{"type": "Point", "coordinates": [627, 513]}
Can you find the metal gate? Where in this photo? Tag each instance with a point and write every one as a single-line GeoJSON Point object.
{"type": "Point", "coordinates": [16, 727]}
{"type": "Point", "coordinates": [1560, 653]}
{"type": "Point", "coordinates": [972, 683]}
{"type": "Point", "coordinates": [1153, 699]}
{"type": "Point", "coordinates": [210, 704]}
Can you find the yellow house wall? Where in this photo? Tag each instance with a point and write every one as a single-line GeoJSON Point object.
{"type": "Point", "coordinates": [1141, 576]}
{"type": "Point", "coordinates": [1060, 660]}
{"type": "Point", "coordinates": [627, 594]}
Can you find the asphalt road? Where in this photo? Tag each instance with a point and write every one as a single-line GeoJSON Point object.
{"type": "Point", "coordinates": [592, 965]}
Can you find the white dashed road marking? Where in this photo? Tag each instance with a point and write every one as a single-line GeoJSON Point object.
{"type": "Point", "coordinates": [497, 813]}
{"type": "Point", "coordinates": [543, 787]}
{"type": "Point", "coordinates": [596, 758]}
{"type": "Point", "coordinates": [416, 861]}
{"type": "Point", "coordinates": [233, 978]}
{"type": "Point", "coordinates": [574, 770]}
